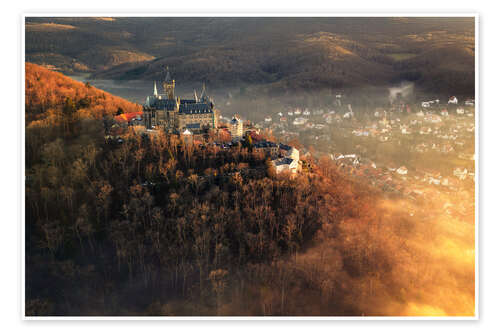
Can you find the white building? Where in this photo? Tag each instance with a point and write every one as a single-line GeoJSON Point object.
{"type": "Point", "coordinates": [299, 121]}
{"type": "Point", "coordinates": [187, 136]}
{"type": "Point", "coordinates": [286, 164]}
{"type": "Point", "coordinates": [289, 161]}
{"type": "Point", "coordinates": [402, 170]}
{"type": "Point", "coordinates": [460, 174]}
{"type": "Point", "coordinates": [348, 115]}
{"type": "Point", "coordinates": [289, 151]}
{"type": "Point", "coordinates": [236, 128]}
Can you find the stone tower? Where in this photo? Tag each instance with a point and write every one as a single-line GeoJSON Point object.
{"type": "Point", "coordinates": [169, 86]}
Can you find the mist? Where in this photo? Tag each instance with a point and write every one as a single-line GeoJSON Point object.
{"type": "Point", "coordinates": [405, 89]}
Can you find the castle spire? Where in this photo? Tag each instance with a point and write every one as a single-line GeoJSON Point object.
{"type": "Point", "coordinates": [168, 78]}
{"type": "Point", "coordinates": [155, 91]}
{"type": "Point", "coordinates": [203, 93]}
{"type": "Point", "coordinates": [195, 96]}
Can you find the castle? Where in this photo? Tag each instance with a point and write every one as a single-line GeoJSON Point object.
{"type": "Point", "coordinates": [173, 114]}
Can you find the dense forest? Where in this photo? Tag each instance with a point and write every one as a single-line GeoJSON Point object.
{"type": "Point", "coordinates": [152, 225]}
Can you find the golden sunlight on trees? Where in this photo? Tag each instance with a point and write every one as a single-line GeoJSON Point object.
{"type": "Point", "coordinates": [151, 226]}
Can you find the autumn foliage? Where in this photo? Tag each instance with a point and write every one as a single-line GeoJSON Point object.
{"type": "Point", "coordinates": [150, 225]}
{"type": "Point", "coordinates": [48, 91]}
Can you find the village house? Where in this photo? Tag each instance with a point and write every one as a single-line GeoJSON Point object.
{"type": "Point", "coordinates": [405, 130]}
{"type": "Point", "coordinates": [432, 118]}
{"type": "Point", "coordinates": [425, 131]}
{"type": "Point", "coordinates": [402, 170]}
{"type": "Point", "coordinates": [460, 173]}
{"type": "Point", "coordinates": [300, 121]}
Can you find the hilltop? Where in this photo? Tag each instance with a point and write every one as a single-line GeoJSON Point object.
{"type": "Point", "coordinates": [103, 215]}
{"type": "Point", "coordinates": [278, 54]}
{"type": "Point", "coordinates": [47, 92]}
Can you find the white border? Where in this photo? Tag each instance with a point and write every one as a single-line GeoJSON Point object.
{"type": "Point", "coordinates": [266, 13]}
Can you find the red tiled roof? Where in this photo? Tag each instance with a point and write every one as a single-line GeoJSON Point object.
{"type": "Point", "coordinates": [255, 136]}
{"type": "Point", "coordinates": [127, 116]}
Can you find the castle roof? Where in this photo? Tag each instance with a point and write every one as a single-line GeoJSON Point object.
{"type": "Point", "coordinates": [283, 161]}
{"type": "Point", "coordinates": [285, 147]}
{"type": "Point", "coordinates": [188, 101]}
{"type": "Point", "coordinates": [162, 104]}
{"type": "Point", "coordinates": [126, 117]}
{"type": "Point", "coordinates": [265, 144]}
{"type": "Point", "coordinates": [194, 108]}
{"type": "Point", "coordinates": [188, 106]}
{"type": "Point", "coordinates": [235, 120]}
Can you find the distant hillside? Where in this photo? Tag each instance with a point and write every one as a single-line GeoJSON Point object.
{"type": "Point", "coordinates": [48, 92]}
{"type": "Point", "coordinates": [281, 54]}
{"type": "Point", "coordinates": [450, 67]}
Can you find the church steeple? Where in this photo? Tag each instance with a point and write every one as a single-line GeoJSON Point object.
{"type": "Point", "coordinates": [155, 91]}
{"type": "Point", "coordinates": [195, 96]}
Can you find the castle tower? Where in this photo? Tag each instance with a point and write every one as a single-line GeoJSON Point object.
{"type": "Point", "coordinates": [169, 86]}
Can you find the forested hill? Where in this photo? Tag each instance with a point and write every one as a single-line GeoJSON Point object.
{"type": "Point", "coordinates": [48, 92]}
{"type": "Point", "coordinates": [151, 226]}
